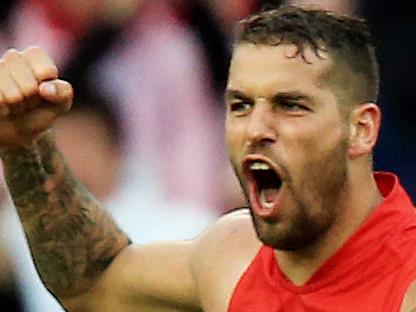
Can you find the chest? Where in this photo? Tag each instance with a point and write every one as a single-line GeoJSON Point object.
{"type": "Point", "coordinates": [263, 288]}
{"type": "Point", "coordinates": [365, 299]}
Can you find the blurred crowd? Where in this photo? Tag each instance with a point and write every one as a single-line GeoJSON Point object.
{"type": "Point", "coordinates": [146, 131]}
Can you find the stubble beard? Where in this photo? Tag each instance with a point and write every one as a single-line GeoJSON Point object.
{"type": "Point", "coordinates": [317, 198]}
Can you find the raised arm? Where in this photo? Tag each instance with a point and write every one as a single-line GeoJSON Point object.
{"type": "Point", "coordinates": [80, 254]}
{"type": "Point", "coordinates": [71, 239]}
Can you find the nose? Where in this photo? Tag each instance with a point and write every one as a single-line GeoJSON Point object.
{"type": "Point", "coordinates": [261, 130]}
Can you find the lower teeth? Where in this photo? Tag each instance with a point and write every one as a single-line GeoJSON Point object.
{"type": "Point", "coordinates": [264, 202]}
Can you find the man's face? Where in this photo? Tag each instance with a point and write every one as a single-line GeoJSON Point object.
{"type": "Point", "coordinates": [287, 142]}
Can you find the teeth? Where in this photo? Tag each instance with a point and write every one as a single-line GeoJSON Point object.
{"type": "Point", "coordinates": [264, 202]}
{"type": "Point", "coordinates": [259, 166]}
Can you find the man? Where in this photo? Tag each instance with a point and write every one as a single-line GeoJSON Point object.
{"type": "Point", "coordinates": [328, 235]}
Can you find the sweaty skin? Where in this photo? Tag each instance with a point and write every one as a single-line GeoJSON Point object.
{"type": "Point", "coordinates": [89, 264]}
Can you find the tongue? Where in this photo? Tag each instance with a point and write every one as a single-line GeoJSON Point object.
{"type": "Point", "coordinates": [269, 194]}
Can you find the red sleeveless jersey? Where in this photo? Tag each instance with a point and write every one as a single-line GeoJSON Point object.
{"type": "Point", "coordinates": [371, 272]}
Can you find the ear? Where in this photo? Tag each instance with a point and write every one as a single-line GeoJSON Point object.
{"type": "Point", "coordinates": [364, 129]}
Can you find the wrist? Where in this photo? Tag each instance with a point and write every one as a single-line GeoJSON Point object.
{"type": "Point", "coordinates": [25, 144]}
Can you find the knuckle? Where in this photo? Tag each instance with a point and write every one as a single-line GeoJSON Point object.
{"type": "Point", "coordinates": [41, 63]}
{"type": "Point", "coordinates": [27, 87]}
{"type": "Point", "coordinates": [30, 90]}
{"type": "Point", "coordinates": [11, 55]}
{"type": "Point", "coordinates": [32, 52]}
{"type": "Point", "coordinates": [13, 98]}
{"type": "Point", "coordinates": [53, 71]}
{"type": "Point", "coordinates": [48, 72]}
{"type": "Point", "coordinates": [13, 95]}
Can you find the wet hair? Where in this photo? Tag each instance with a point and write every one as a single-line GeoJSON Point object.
{"type": "Point", "coordinates": [346, 39]}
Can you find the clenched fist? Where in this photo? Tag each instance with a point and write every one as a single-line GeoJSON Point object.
{"type": "Point", "coordinates": [31, 96]}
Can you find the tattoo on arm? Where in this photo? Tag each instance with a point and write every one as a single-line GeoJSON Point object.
{"type": "Point", "coordinates": [71, 238]}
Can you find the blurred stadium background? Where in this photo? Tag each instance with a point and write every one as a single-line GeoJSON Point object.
{"type": "Point", "coordinates": [146, 131]}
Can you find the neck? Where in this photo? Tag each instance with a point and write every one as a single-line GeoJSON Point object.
{"type": "Point", "coordinates": [354, 206]}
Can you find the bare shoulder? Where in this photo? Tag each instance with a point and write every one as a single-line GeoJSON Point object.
{"type": "Point", "coordinates": [222, 254]}
{"type": "Point", "coordinates": [232, 233]}
{"type": "Point", "coordinates": [409, 303]}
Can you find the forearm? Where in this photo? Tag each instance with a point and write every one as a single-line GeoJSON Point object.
{"type": "Point", "coordinates": [71, 238]}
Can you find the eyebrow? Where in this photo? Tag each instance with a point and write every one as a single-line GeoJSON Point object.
{"type": "Point", "coordinates": [235, 94]}
{"type": "Point", "coordinates": [291, 96]}
{"type": "Point", "coordinates": [278, 97]}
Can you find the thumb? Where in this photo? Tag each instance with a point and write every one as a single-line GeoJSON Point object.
{"type": "Point", "coordinates": [57, 92]}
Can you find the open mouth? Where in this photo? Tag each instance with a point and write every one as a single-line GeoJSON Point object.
{"type": "Point", "coordinates": [265, 184]}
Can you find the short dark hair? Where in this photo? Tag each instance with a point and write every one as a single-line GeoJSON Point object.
{"type": "Point", "coordinates": [346, 39]}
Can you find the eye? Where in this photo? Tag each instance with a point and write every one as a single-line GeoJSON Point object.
{"type": "Point", "coordinates": [240, 107]}
{"type": "Point", "coordinates": [292, 106]}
